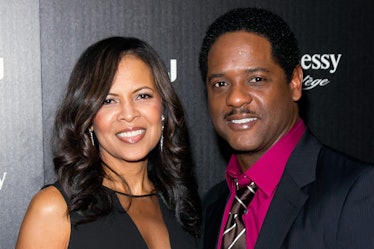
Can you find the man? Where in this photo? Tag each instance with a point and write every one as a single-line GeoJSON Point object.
{"type": "Point", "coordinates": [306, 195]}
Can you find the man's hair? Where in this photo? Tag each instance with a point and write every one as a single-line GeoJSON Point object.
{"type": "Point", "coordinates": [262, 22]}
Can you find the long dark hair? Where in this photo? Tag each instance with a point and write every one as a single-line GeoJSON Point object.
{"type": "Point", "coordinates": [77, 161]}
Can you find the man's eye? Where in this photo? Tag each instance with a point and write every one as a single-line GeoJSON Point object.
{"type": "Point", "coordinates": [219, 84]}
{"type": "Point", "coordinates": [257, 79]}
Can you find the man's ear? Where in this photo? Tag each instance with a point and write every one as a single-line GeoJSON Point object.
{"type": "Point", "coordinates": [296, 83]}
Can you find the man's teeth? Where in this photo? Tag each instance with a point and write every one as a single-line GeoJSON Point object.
{"type": "Point", "coordinates": [244, 120]}
{"type": "Point", "coordinates": [131, 133]}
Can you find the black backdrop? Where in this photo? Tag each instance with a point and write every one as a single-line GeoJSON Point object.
{"type": "Point", "coordinates": [40, 40]}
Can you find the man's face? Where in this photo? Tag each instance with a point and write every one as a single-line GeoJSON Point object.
{"type": "Point", "coordinates": [251, 103]}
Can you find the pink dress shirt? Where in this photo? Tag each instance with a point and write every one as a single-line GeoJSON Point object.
{"type": "Point", "coordinates": [266, 173]}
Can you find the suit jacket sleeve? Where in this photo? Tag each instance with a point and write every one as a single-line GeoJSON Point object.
{"type": "Point", "coordinates": [356, 226]}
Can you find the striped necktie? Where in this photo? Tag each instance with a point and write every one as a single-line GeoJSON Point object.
{"type": "Point", "coordinates": [234, 234]}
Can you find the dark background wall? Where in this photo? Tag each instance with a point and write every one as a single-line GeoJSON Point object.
{"type": "Point", "coordinates": [40, 40]}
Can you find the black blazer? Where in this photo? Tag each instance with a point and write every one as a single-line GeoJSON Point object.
{"type": "Point", "coordinates": [324, 200]}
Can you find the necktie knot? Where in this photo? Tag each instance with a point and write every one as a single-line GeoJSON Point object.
{"type": "Point", "coordinates": [242, 199]}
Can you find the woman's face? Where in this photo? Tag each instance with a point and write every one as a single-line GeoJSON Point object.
{"type": "Point", "coordinates": [128, 125]}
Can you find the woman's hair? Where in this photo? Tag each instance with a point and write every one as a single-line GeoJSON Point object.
{"type": "Point", "coordinates": [262, 22]}
{"type": "Point", "coordinates": [77, 161]}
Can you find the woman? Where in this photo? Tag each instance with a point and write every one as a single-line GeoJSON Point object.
{"type": "Point", "coordinates": [120, 157]}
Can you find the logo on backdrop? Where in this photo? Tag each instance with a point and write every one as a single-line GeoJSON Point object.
{"type": "Point", "coordinates": [326, 62]}
{"type": "Point", "coordinates": [1, 68]}
{"type": "Point", "coordinates": [173, 70]}
{"type": "Point", "coordinates": [2, 180]}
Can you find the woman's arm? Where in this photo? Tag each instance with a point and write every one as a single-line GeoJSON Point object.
{"type": "Point", "coordinates": [46, 223]}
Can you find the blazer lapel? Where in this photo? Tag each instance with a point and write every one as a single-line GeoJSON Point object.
{"type": "Point", "coordinates": [291, 194]}
{"type": "Point", "coordinates": [213, 218]}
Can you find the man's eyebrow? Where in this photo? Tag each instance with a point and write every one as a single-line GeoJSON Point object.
{"type": "Point", "coordinates": [248, 70]}
{"type": "Point", "coordinates": [215, 75]}
{"type": "Point", "coordinates": [257, 69]}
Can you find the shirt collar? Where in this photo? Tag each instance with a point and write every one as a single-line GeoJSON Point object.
{"type": "Point", "coordinates": [267, 171]}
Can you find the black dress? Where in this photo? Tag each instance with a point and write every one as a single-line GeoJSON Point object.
{"type": "Point", "coordinates": [117, 230]}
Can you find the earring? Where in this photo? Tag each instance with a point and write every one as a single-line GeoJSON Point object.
{"type": "Point", "coordinates": [162, 132]}
{"type": "Point", "coordinates": [91, 136]}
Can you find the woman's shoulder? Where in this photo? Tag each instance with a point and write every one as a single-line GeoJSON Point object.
{"type": "Point", "coordinates": [46, 221]}
{"type": "Point", "coordinates": [50, 200]}
{"type": "Point", "coordinates": [48, 205]}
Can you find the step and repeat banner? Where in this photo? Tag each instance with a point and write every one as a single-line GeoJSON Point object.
{"type": "Point", "coordinates": [40, 40]}
{"type": "Point", "coordinates": [21, 121]}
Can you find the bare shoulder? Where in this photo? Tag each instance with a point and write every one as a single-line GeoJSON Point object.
{"type": "Point", "coordinates": [46, 222]}
{"type": "Point", "coordinates": [49, 200]}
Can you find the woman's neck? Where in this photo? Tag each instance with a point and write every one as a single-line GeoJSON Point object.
{"type": "Point", "coordinates": [130, 179]}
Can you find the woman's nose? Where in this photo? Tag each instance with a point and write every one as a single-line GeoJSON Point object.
{"type": "Point", "coordinates": [129, 111]}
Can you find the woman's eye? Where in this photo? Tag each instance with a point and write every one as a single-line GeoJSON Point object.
{"type": "Point", "coordinates": [144, 96]}
{"type": "Point", "coordinates": [108, 101]}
